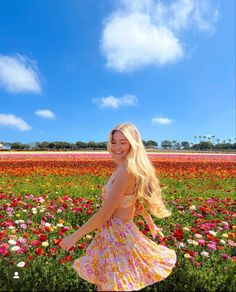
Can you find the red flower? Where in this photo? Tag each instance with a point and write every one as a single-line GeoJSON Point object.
{"type": "Point", "coordinates": [42, 237]}
{"type": "Point", "coordinates": [178, 234]}
{"type": "Point", "coordinates": [39, 251]}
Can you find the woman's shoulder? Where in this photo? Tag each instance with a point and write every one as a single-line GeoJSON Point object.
{"type": "Point", "coordinates": [122, 171]}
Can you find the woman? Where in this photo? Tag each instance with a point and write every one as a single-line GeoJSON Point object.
{"type": "Point", "coordinates": [120, 257]}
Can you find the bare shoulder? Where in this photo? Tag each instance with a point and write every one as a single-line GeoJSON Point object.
{"type": "Point", "coordinates": [123, 173]}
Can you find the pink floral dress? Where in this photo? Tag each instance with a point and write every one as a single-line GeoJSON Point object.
{"type": "Point", "coordinates": [121, 258]}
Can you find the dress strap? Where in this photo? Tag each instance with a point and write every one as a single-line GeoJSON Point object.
{"type": "Point", "coordinates": [152, 226]}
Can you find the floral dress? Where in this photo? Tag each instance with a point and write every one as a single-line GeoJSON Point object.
{"type": "Point", "coordinates": [120, 257]}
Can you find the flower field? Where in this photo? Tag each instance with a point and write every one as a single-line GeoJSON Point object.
{"type": "Point", "coordinates": [46, 196]}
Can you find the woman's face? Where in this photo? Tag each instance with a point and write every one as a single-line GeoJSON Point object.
{"type": "Point", "coordinates": [120, 146]}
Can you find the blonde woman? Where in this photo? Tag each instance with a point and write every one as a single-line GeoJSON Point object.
{"type": "Point", "coordinates": [120, 257]}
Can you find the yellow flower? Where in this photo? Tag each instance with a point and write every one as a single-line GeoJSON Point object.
{"type": "Point", "coordinates": [17, 215]}
{"type": "Point", "coordinates": [187, 256]}
{"type": "Point", "coordinates": [225, 235]}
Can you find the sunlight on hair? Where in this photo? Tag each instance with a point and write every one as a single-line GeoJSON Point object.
{"type": "Point", "coordinates": [148, 187]}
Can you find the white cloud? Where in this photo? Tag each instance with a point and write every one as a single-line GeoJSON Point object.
{"type": "Point", "coordinates": [46, 113]}
{"type": "Point", "coordinates": [187, 15]}
{"type": "Point", "coordinates": [162, 121]}
{"type": "Point", "coordinates": [13, 121]}
{"type": "Point", "coordinates": [146, 32]}
{"type": "Point", "coordinates": [115, 102]}
{"type": "Point", "coordinates": [19, 74]}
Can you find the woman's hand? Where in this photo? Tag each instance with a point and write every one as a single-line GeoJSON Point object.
{"type": "Point", "coordinates": [68, 242]}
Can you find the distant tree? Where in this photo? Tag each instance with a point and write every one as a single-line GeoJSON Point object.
{"type": "Point", "coordinates": [151, 143]}
{"type": "Point", "coordinates": [185, 144]}
{"type": "Point", "coordinates": [80, 144]}
{"type": "Point", "coordinates": [19, 146]}
{"type": "Point", "coordinates": [91, 144]}
{"type": "Point", "coordinates": [166, 144]}
{"type": "Point", "coordinates": [205, 145]}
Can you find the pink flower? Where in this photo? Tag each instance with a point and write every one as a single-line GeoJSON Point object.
{"type": "Point", "coordinates": [35, 242]}
{"type": "Point", "coordinates": [201, 241]}
{"type": "Point", "coordinates": [225, 256]}
{"type": "Point", "coordinates": [212, 246]}
{"type": "Point", "coordinates": [3, 249]}
{"type": "Point", "coordinates": [231, 243]}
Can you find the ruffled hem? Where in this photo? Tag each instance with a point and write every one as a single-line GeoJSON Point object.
{"type": "Point", "coordinates": [116, 286]}
{"type": "Point", "coordinates": [122, 258]}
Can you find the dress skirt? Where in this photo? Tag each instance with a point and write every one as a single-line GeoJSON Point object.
{"type": "Point", "coordinates": [121, 258]}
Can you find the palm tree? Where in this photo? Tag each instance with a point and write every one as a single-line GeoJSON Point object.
{"type": "Point", "coordinates": [218, 140]}
{"type": "Point", "coordinates": [195, 139]}
{"type": "Point", "coordinates": [199, 138]}
{"type": "Point", "coordinates": [204, 137]}
{"type": "Point", "coordinates": [213, 139]}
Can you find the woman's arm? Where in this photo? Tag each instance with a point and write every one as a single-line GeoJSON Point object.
{"type": "Point", "coordinates": [113, 200]}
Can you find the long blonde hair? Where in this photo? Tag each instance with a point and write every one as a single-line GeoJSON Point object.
{"type": "Point", "coordinates": [148, 188]}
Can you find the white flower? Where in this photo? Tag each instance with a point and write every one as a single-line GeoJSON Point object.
{"type": "Point", "coordinates": [42, 210]}
{"type": "Point", "coordinates": [180, 244]}
{"type": "Point", "coordinates": [225, 235]}
{"type": "Point", "coordinates": [15, 248]}
{"type": "Point", "coordinates": [192, 207]}
{"type": "Point", "coordinates": [45, 243]}
{"type": "Point", "coordinates": [222, 241]}
{"type": "Point", "coordinates": [12, 242]}
{"type": "Point", "coordinates": [48, 224]}
{"type": "Point", "coordinates": [24, 210]}
{"type": "Point", "coordinates": [19, 221]}
{"type": "Point", "coordinates": [21, 264]}
{"type": "Point", "coordinates": [11, 227]}
{"type": "Point", "coordinates": [225, 223]}
{"type": "Point", "coordinates": [197, 235]}
{"type": "Point", "coordinates": [186, 229]}
{"type": "Point", "coordinates": [213, 233]}
{"type": "Point", "coordinates": [89, 236]}
{"type": "Point", "coordinates": [205, 253]}
{"type": "Point", "coordinates": [59, 225]}
{"type": "Point", "coordinates": [191, 241]}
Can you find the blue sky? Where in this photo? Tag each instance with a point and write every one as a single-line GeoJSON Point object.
{"type": "Point", "coordinates": [71, 70]}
